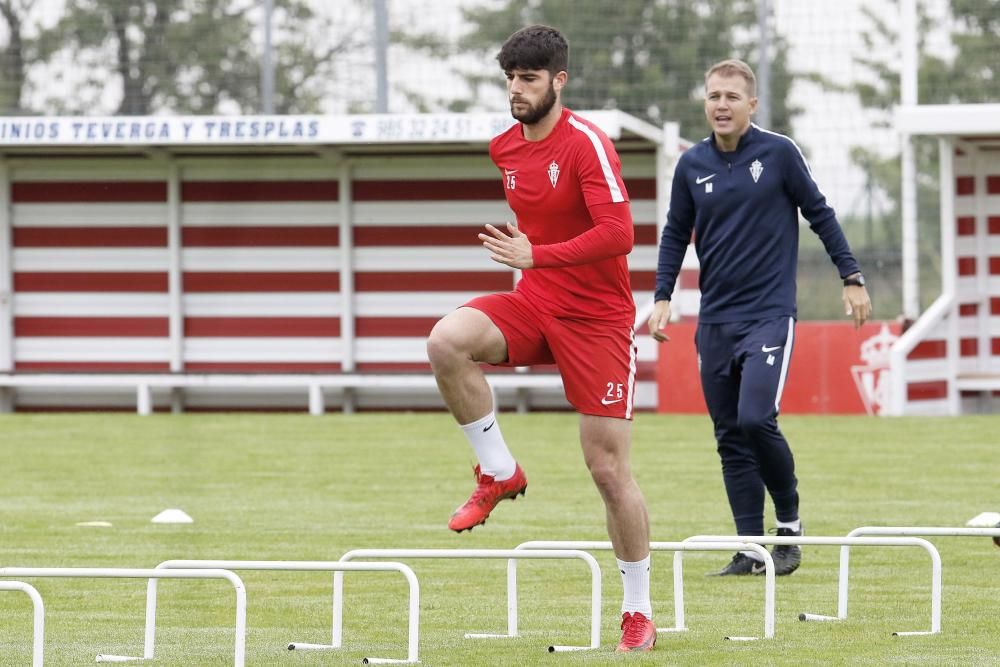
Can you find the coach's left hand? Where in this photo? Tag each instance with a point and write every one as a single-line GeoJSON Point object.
{"type": "Point", "coordinates": [857, 303]}
{"type": "Point", "coordinates": [513, 250]}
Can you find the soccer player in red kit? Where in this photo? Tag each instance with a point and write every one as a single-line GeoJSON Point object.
{"type": "Point", "coordinates": [572, 307]}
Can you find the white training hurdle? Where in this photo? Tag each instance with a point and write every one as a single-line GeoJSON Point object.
{"type": "Point", "coordinates": [909, 531]}
{"type": "Point", "coordinates": [239, 656]}
{"type": "Point", "coordinates": [595, 578]}
{"type": "Point", "coordinates": [297, 566]}
{"type": "Point", "coordinates": [857, 542]}
{"type": "Point", "coordinates": [38, 621]}
{"type": "Point", "coordinates": [678, 548]}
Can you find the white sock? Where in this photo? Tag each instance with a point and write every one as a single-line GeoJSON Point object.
{"type": "Point", "coordinates": [494, 457]}
{"type": "Point", "coordinates": [792, 525]}
{"type": "Point", "coordinates": [635, 579]}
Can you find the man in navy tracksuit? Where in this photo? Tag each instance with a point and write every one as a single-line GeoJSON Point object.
{"type": "Point", "coordinates": [740, 191]}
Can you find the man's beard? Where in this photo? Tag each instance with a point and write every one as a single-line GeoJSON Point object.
{"type": "Point", "coordinates": [533, 114]}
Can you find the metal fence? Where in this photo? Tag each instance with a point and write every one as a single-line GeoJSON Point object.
{"type": "Point", "coordinates": [833, 70]}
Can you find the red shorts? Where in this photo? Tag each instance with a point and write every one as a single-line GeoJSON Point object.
{"type": "Point", "coordinates": [595, 359]}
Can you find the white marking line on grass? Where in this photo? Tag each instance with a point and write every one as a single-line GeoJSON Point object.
{"type": "Point", "coordinates": [297, 566]}
{"type": "Point", "coordinates": [38, 621]}
{"type": "Point", "coordinates": [911, 531]}
{"type": "Point", "coordinates": [595, 577]}
{"type": "Point", "coordinates": [239, 654]}
{"type": "Point", "coordinates": [857, 542]}
{"type": "Point", "coordinates": [678, 548]}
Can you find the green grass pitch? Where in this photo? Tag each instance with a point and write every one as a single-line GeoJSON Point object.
{"type": "Point", "coordinates": [295, 487]}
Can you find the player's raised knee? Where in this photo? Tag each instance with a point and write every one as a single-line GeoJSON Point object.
{"type": "Point", "coordinates": [444, 343]}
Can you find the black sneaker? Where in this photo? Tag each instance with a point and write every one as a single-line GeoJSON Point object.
{"type": "Point", "coordinates": [741, 564]}
{"type": "Point", "coordinates": [787, 557]}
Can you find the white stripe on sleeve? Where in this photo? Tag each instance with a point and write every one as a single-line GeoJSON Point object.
{"type": "Point", "coordinates": [602, 156]}
{"type": "Point", "coordinates": [801, 155]}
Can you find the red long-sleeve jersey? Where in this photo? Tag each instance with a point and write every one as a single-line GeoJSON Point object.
{"type": "Point", "coordinates": [569, 198]}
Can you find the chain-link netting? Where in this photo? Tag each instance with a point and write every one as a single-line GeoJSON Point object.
{"type": "Point", "coordinates": [834, 75]}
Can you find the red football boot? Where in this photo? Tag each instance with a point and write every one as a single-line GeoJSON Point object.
{"type": "Point", "coordinates": [638, 633]}
{"type": "Point", "coordinates": [486, 496]}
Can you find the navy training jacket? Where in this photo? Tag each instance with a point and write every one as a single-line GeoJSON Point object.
{"type": "Point", "coordinates": [743, 208]}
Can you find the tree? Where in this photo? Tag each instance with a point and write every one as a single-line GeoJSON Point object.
{"type": "Point", "coordinates": [969, 76]}
{"type": "Point", "coordinates": [645, 57]}
{"type": "Point", "coordinates": [12, 58]}
{"type": "Point", "coordinates": [974, 74]}
{"type": "Point", "coordinates": [189, 56]}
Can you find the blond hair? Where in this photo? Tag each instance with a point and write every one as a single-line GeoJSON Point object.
{"type": "Point", "coordinates": [734, 67]}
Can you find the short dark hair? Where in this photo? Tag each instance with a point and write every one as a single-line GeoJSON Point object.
{"type": "Point", "coordinates": [535, 47]}
{"type": "Point", "coordinates": [734, 67]}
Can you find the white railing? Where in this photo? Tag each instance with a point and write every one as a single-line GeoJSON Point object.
{"type": "Point", "coordinates": [297, 566]}
{"type": "Point", "coordinates": [901, 348]}
{"type": "Point", "coordinates": [144, 383]}
{"type": "Point", "coordinates": [400, 554]}
{"type": "Point", "coordinates": [240, 644]}
{"type": "Point", "coordinates": [38, 618]}
{"type": "Point", "coordinates": [678, 548]}
{"type": "Point", "coordinates": [905, 531]}
{"type": "Point", "coordinates": [853, 541]}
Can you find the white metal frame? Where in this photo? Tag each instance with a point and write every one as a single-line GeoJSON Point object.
{"type": "Point", "coordinates": [908, 531]}
{"type": "Point", "coordinates": [239, 654]}
{"type": "Point", "coordinates": [965, 120]}
{"type": "Point", "coordinates": [175, 268]}
{"type": "Point", "coordinates": [667, 154]}
{"type": "Point", "coordinates": [297, 566]}
{"type": "Point", "coordinates": [984, 377]}
{"type": "Point", "coordinates": [944, 308]}
{"type": "Point", "coordinates": [348, 320]}
{"type": "Point", "coordinates": [909, 57]}
{"type": "Point", "coordinates": [949, 268]}
{"type": "Point", "coordinates": [595, 577]}
{"type": "Point", "coordinates": [931, 550]}
{"type": "Point", "coordinates": [144, 383]}
{"type": "Point", "coordinates": [6, 275]}
{"type": "Point", "coordinates": [963, 125]}
{"type": "Point", "coordinates": [678, 548]}
{"type": "Point", "coordinates": [38, 620]}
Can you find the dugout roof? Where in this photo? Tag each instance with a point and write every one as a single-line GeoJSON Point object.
{"type": "Point", "coordinates": [293, 135]}
{"type": "Point", "coordinates": [965, 121]}
{"type": "Point", "coordinates": [297, 244]}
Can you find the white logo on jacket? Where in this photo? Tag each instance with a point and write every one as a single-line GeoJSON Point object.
{"type": "Point", "coordinates": [553, 173]}
{"type": "Point", "coordinates": [756, 169]}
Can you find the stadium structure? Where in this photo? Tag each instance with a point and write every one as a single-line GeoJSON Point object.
{"type": "Point", "coordinates": [948, 362]}
{"type": "Point", "coordinates": [194, 263]}
{"type": "Point", "coordinates": [205, 262]}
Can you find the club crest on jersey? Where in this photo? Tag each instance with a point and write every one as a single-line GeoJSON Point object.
{"type": "Point", "coordinates": [756, 169]}
{"type": "Point", "coordinates": [553, 173]}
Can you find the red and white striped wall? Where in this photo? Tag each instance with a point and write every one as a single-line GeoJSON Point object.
{"type": "Point", "coordinates": [952, 358]}
{"type": "Point", "coordinates": [262, 262]}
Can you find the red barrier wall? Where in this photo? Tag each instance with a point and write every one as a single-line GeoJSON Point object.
{"type": "Point", "coordinates": [835, 369]}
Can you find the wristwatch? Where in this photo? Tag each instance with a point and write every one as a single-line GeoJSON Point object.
{"type": "Point", "coordinates": [855, 279]}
